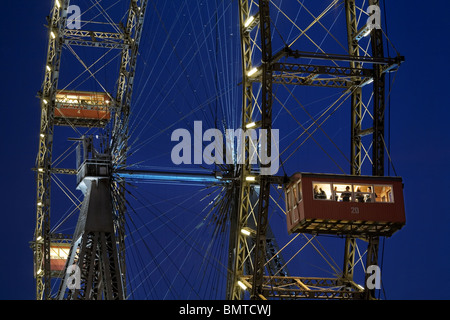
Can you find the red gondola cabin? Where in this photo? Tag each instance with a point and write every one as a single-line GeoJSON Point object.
{"type": "Point", "coordinates": [344, 204]}
{"type": "Point", "coordinates": [82, 108]}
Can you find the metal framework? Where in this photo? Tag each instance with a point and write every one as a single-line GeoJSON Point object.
{"type": "Point", "coordinates": [44, 158]}
{"type": "Point", "coordinates": [127, 40]}
{"type": "Point", "coordinates": [351, 78]}
{"type": "Point", "coordinates": [97, 246]}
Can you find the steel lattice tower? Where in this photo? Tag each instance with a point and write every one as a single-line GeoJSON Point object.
{"type": "Point", "coordinates": [270, 70]}
{"type": "Point", "coordinates": [127, 41]}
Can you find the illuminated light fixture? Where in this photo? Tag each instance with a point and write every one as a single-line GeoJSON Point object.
{"type": "Point", "coordinates": [57, 3]}
{"type": "Point", "coordinates": [248, 231]}
{"type": "Point", "coordinates": [39, 204]}
{"type": "Point", "coordinates": [367, 33]}
{"type": "Point", "coordinates": [250, 125]}
{"type": "Point", "coordinates": [252, 72]}
{"type": "Point", "coordinates": [40, 170]}
{"type": "Point", "coordinates": [253, 124]}
{"type": "Point", "coordinates": [52, 34]}
{"type": "Point", "coordinates": [39, 238]}
{"type": "Point", "coordinates": [39, 272]}
{"type": "Point", "coordinates": [249, 21]}
{"type": "Point", "coordinates": [44, 101]}
{"type": "Point", "coordinates": [242, 285]}
{"type": "Point", "coordinates": [250, 178]}
{"type": "Point", "coordinates": [48, 68]}
{"type": "Point", "coordinates": [42, 135]}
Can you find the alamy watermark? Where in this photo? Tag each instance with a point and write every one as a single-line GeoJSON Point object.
{"type": "Point", "coordinates": [374, 19]}
{"type": "Point", "coordinates": [73, 17]}
{"type": "Point", "coordinates": [73, 280]}
{"type": "Point", "coordinates": [373, 281]}
{"type": "Point", "coordinates": [212, 147]}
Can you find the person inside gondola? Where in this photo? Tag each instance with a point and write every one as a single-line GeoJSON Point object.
{"type": "Point", "coordinates": [370, 196]}
{"type": "Point", "coordinates": [346, 195]}
{"type": "Point", "coordinates": [322, 194]}
{"type": "Point", "coordinates": [316, 192]}
{"type": "Point", "coordinates": [359, 195]}
{"type": "Point", "coordinates": [336, 196]}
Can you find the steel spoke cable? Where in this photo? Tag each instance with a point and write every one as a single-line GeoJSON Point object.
{"type": "Point", "coordinates": [281, 250]}
{"type": "Point", "coordinates": [303, 32]}
{"type": "Point", "coordinates": [389, 156]}
{"type": "Point", "coordinates": [187, 255]}
{"type": "Point", "coordinates": [66, 191]}
{"type": "Point", "coordinates": [64, 218]}
{"type": "Point", "coordinates": [158, 266]}
{"type": "Point", "coordinates": [193, 230]}
{"type": "Point", "coordinates": [147, 247]}
{"type": "Point", "coordinates": [315, 122]}
{"type": "Point", "coordinates": [132, 282]}
{"type": "Point", "coordinates": [157, 217]}
{"type": "Point", "coordinates": [197, 50]}
{"type": "Point", "coordinates": [221, 254]}
{"type": "Point", "coordinates": [105, 15]}
{"type": "Point", "coordinates": [328, 117]}
{"type": "Point", "coordinates": [336, 269]}
{"type": "Point", "coordinates": [86, 67]}
{"type": "Point", "coordinates": [86, 22]}
{"type": "Point", "coordinates": [198, 108]}
{"type": "Point", "coordinates": [90, 67]}
{"type": "Point", "coordinates": [64, 155]}
{"type": "Point", "coordinates": [332, 261]}
{"type": "Point", "coordinates": [310, 60]}
{"type": "Point", "coordinates": [140, 144]}
{"type": "Point", "coordinates": [310, 136]}
{"type": "Point", "coordinates": [361, 12]}
{"type": "Point", "coordinates": [202, 273]}
{"type": "Point", "coordinates": [181, 63]}
{"type": "Point", "coordinates": [360, 259]}
{"type": "Point", "coordinates": [295, 19]}
{"type": "Point", "coordinates": [181, 232]}
{"type": "Point", "coordinates": [320, 23]}
{"type": "Point", "coordinates": [225, 61]}
{"type": "Point", "coordinates": [366, 109]}
{"type": "Point", "coordinates": [204, 64]}
{"type": "Point", "coordinates": [294, 255]}
{"type": "Point", "coordinates": [155, 78]}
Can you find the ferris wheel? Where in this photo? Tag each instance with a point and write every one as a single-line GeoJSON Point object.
{"type": "Point", "coordinates": [182, 158]}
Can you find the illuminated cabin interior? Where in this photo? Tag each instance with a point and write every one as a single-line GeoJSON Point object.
{"type": "Point", "coordinates": [82, 108]}
{"type": "Point", "coordinates": [59, 252]}
{"type": "Point", "coordinates": [344, 204]}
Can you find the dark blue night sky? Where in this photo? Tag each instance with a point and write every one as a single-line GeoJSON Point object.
{"type": "Point", "coordinates": [416, 258]}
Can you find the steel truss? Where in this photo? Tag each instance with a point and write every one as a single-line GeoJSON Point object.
{"type": "Point", "coordinates": [100, 251]}
{"type": "Point", "coordinates": [328, 73]}
{"type": "Point", "coordinates": [286, 287]}
{"type": "Point", "coordinates": [59, 37]}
